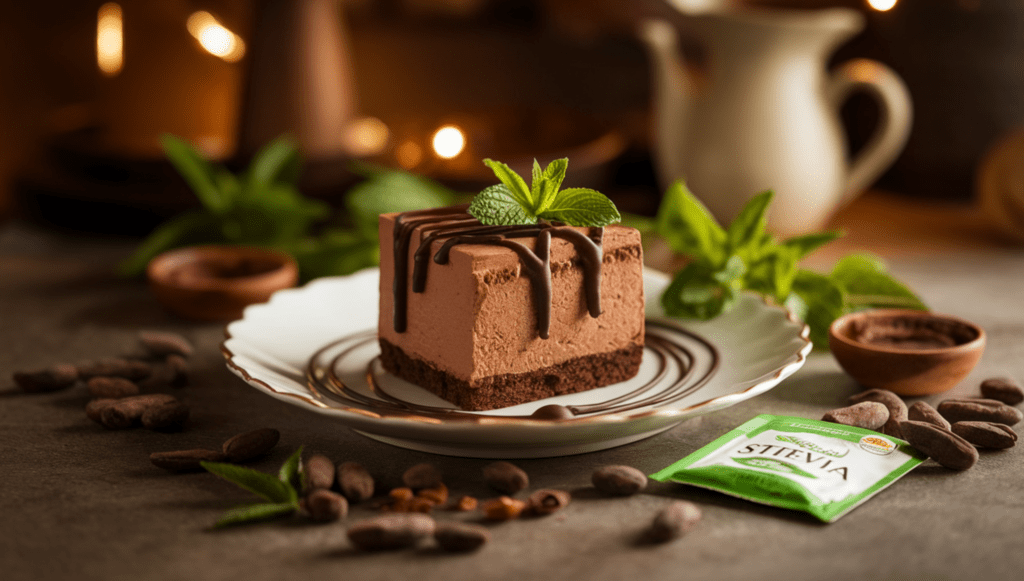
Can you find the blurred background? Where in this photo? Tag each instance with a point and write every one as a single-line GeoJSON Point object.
{"type": "Point", "coordinates": [431, 86]}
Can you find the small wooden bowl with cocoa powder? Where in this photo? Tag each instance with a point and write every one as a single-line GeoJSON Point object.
{"type": "Point", "coordinates": [216, 283]}
{"type": "Point", "coordinates": [905, 351]}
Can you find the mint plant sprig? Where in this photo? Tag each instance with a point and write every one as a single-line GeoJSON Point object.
{"type": "Point", "coordinates": [512, 202]}
{"type": "Point", "coordinates": [281, 492]}
{"type": "Point", "coordinates": [744, 256]}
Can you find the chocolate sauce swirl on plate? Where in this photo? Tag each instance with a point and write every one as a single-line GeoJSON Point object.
{"type": "Point", "coordinates": [455, 227]}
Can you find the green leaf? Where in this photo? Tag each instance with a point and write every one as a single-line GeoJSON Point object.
{"type": "Point", "coordinates": [689, 228]}
{"type": "Point", "coordinates": [582, 207]}
{"type": "Point", "coordinates": [263, 485]}
{"type": "Point", "coordinates": [191, 227]}
{"type": "Point", "coordinates": [198, 173]}
{"type": "Point", "coordinates": [515, 184]}
{"type": "Point", "coordinates": [387, 191]}
{"type": "Point", "coordinates": [867, 284]}
{"type": "Point", "coordinates": [290, 472]}
{"type": "Point", "coordinates": [644, 224]}
{"type": "Point", "coordinates": [255, 513]}
{"type": "Point", "coordinates": [748, 227]}
{"type": "Point", "coordinates": [823, 302]}
{"type": "Point", "coordinates": [732, 273]}
{"type": "Point", "coordinates": [808, 243]}
{"type": "Point", "coordinates": [695, 293]}
{"type": "Point", "coordinates": [278, 162]}
{"type": "Point", "coordinates": [550, 183]}
{"type": "Point", "coordinates": [496, 206]}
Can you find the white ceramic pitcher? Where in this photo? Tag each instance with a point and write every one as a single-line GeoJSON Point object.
{"type": "Point", "coordinates": [765, 113]}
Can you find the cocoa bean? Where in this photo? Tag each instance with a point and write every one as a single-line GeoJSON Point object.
{"type": "Point", "coordinates": [505, 477]}
{"type": "Point", "coordinates": [401, 494]}
{"type": "Point", "coordinates": [420, 504]}
{"type": "Point", "coordinates": [869, 415]}
{"type": "Point", "coordinates": [1002, 389]}
{"type": "Point", "coordinates": [548, 500]}
{"type": "Point", "coordinates": [115, 367]}
{"type": "Point", "coordinates": [461, 537]}
{"type": "Point", "coordinates": [940, 444]}
{"type": "Point", "coordinates": [184, 460]}
{"type": "Point", "coordinates": [250, 445]}
{"type": "Point", "coordinates": [176, 368]}
{"type": "Point", "coordinates": [979, 410]}
{"type": "Point", "coordinates": [46, 380]}
{"type": "Point", "coordinates": [111, 387]}
{"type": "Point", "coordinates": [464, 504]}
{"type": "Point", "coordinates": [986, 434]}
{"type": "Point", "coordinates": [437, 495]}
{"type": "Point", "coordinates": [897, 408]}
{"type": "Point", "coordinates": [503, 508]}
{"type": "Point", "coordinates": [618, 480]}
{"type": "Point", "coordinates": [166, 417]}
{"type": "Point", "coordinates": [422, 476]}
{"type": "Point", "coordinates": [323, 505]}
{"type": "Point", "coordinates": [127, 412]}
{"type": "Point", "coordinates": [94, 409]}
{"type": "Point", "coordinates": [355, 481]}
{"type": "Point", "coordinates": [674, 521]}
{"type": "Point", "coordinates": [922, 411]}
{"type": "Point", "coordinates": [319, 472]}
{"type": "Point", "coordinates": [391, 531]}
{"type": "Point", "coordinates": [159, 344]}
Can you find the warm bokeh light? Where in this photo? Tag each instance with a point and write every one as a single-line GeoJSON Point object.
{"type": "Point", "coordinates": [449, 141]}
{"type": "Point", "coordinates": [882, 5]}
{"type": "Point", "coordinates": [366, 136]}
{"type": "Point", "coordinates": [110, 39]}
{"type": "Point", "coordinates": [409, 154]}
{"type": "Point", "coordinates": [213, 37]}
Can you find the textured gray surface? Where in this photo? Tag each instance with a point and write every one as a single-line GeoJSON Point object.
{"type": "Point", "coordinates": [81, 502]}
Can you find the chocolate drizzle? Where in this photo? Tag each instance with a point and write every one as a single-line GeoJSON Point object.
{"type": "Point", "coordinates": [455, 226]}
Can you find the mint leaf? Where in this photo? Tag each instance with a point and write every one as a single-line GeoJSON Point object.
{"type": "Point", "coordinates": [550, 182]}
{"type": "Point", "coordinates": [749, 225]}
{"type": "Point", "coordinates": [867, 284]}
{"type": "Point", "coordinates": [823, 302]}
{"type": "Point", "coordinates": [582, 207]}
{"type": "Point", "coordinates": [256, 512]}
{"type": "Point", "coordinates": [386, 191]}
{"type": "Point", "coordinates": [808, 243]}
{"type": "Point", "coordinates": [263, 485]}
{"type": "Point", "coordinates": [496, 206]}
{"type": "Point", "coordinates": [290, 472]}
{"type": "Point", "coordinates": [695, 293]}
{"type": "Point", "coordinates": [278, 161]}
{"type": "Point", "coordinates": [689, 228]}
{"type": "Point", "coordinates": [198, 173]}
{"type": "Point", "coordinates": [516, 186]}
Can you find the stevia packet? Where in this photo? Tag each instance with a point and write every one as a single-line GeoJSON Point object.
{"type": "Point", "coordinates": [822, 468]}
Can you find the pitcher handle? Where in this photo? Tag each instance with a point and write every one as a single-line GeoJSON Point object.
{"type": "Point", "coordinates": [886, 87]}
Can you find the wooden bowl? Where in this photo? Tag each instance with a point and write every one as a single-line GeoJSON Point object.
{"type": "Point", "coordinates": [908, 352]}
{"type": "Point", "coordinates": [216, 283]}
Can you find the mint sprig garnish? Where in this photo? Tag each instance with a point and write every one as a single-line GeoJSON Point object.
{"type": "Point", "coordinates": [280, 492]}
{"type": "Point", "coordinates": [744, 256]}
{"type": "Point", "coordinates": [513, 203]}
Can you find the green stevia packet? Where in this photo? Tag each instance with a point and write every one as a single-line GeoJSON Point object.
{"type": "Point", "coordinates": [822, 468]}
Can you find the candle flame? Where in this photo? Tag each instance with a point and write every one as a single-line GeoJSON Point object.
{"type": "Point", "coordinates": [214, 37]}
{"type": "Point", "coordinates": [449, 141]}
{"type": "Point", "coordinates": [110, 39]}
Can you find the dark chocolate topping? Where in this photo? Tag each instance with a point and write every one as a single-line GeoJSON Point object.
{"type": "Point", "coordinates": [457, 227]}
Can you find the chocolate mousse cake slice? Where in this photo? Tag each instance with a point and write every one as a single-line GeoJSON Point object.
{"type": "Point", "coordinates": [493, 316]}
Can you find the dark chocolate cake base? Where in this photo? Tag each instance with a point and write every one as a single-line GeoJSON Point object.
{"type": "Point", "coordinates": [500, 391]}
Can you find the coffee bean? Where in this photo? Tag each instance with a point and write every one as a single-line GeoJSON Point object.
{"type": "Point", "coordinates": [461, 537]}
{"type": "Point", "coordinates": [46, 380]}
{"type": "Point", "coordinates": [422, 476]}
{"type": "Point", "coordinates": [503, 508]}
{"type": "Point", "coordinates": [159, 344]}
{"type": "Point", "coordinates": [897, 408]}
{"type": "Point", "coordinates": [505, 477]}
{"type": "Point", "coordinates": [674, 521]}
{"type": "Point", "coordinates": [250, 445]}
{"type": "Point", "coordinates": [325, 506]}
{"type": "Point", "coordinates": [922, 411]}
{"type": "Point", "coordinates": [548, 500]}
{"type": "Point", "coordinates": [112, 387]}
{"type": "Point", "coordinates": [618, 480]}
{"type": "Point", "coordinates": [184, 460]}
{"type": "Point", "coordinates": [355, 481]}
{"type": "Point", "coordinates": [1002, 389]}
{"type": "Point", "coordinates": [391, 531]}
{"type": "Point", "coordinates": [94, 409]}
{"type": "Point", "coordinates": [127, 412]}
{"type": "Point", "coordinates": [979, 410]}
{"type": "Point", "coordinates": [166, 417]}
{"type": "Point", "coordinates": [319, 471]}
{"type": "Point", "coordinates": [115, 367]}
{"type": "Point", "coordinates": [869, 415]}
{"type": "Point", "coordinates": [941, 445]}
{"type": "Point", "coordinates": [986, 434]}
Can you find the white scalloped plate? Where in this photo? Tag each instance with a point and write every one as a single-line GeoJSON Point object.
{"type": "Point", "coordinates": [757, 346]}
